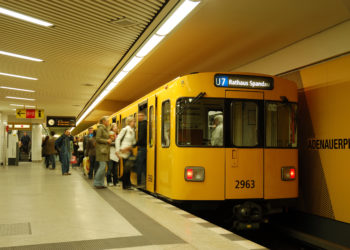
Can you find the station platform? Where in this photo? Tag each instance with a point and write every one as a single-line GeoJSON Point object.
{"type": "Point", "coordinates": [41, 209]}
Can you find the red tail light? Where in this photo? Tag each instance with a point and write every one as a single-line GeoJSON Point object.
{"type": "Point", "coordinates": [196, 174]}
{"type": "Point", "coordinates": [292, 173]}
{"type": "Point", "coordinates": [288, 173]}
{"type": "Point", "coordinates": [189, 174]}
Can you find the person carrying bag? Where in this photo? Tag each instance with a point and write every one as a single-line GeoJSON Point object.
{"type": "Point", "coordinates": [124, 144]}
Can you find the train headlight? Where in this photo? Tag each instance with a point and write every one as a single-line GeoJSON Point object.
{"type": "Point", "coordinates": [194, 174]}
{"type": "Point", "coordinates": [288, 173]}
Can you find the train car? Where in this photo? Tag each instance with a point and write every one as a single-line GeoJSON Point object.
{"type": "Point", "coordinates": [222, 137]}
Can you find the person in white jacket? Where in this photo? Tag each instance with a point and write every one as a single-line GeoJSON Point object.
{"type": "Point", "coordinates": [112, 172]}
{"type": "Point", "coordinates": [217, 137]}
{"type": "Point", "coordinates": [124, 144]}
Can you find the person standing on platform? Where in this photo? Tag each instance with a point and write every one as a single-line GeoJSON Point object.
{"type": "Point", "coordinates": [64, 145]}
{"type": "Point", "coordinates": [25, 141]}
{"type": "Point", "coordinates": [141, 158]}
{"type": "Point", "coordinates": [80, 151]}
{"type": "Point", "coordinates": [124, 144]}
{"type": "Point", "coordinates": [51, 151]}
{"type": "Point", "coordinates": [86, 139]}
{"type": "Point", "coordinates": [44, 151]}
{"type": "Point", "coordinates": [91, 153]}
{"type": "Point", "coordinates": [102, 151]}
{"type": "Point", "coordinates": [113, 162]}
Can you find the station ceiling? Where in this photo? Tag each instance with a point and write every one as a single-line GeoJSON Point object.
{"type": "Point", "coordinates": [87, 43]}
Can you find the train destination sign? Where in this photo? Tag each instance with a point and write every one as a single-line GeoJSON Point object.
{"type": "Point", "coordinates": [244, 81]}
{"type": "Point", "coordinates": [60, 121]}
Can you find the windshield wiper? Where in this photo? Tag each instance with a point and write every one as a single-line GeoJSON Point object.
{"type": "Point", "coordinates": [193, 101]}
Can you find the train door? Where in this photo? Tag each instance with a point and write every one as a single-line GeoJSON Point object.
{"type": "Point", "coordinates": [151, 144]}
{"type": "Point", "coordinates": [244, 151]}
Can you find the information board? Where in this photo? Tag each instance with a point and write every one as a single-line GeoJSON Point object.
{"type": "Point", "coordinates": [243, 81]}
{"type": "Point", "coordinates": [60, 121]}
{"type": "Point", "coordinates": [30, 113]}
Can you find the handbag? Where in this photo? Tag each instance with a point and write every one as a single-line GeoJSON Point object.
{"type": "Point", "coordinates": [130, 163]}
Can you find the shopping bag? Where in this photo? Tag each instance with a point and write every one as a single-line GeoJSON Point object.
{"type": "Point", "coordinates": [86, 165]}
{"type": "Point", "coordinates": [73, 159]}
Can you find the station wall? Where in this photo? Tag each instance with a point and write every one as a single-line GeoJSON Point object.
{"type": "Point", "coordinates": [324, 115]}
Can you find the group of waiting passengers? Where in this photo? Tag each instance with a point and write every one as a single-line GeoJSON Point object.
{"type": "Point", "coordinates": [105, 147]}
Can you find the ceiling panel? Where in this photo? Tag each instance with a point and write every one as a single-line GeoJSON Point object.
{"type": "Point", "coordinates": [86, 42]}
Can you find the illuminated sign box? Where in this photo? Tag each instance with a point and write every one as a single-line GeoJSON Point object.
{"type": "Point", "coordinates": [244, 81]}
{"type": "Point", "coordinates": [60, 121]}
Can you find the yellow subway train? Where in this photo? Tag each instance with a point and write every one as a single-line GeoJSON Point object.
{"type": "Point", "coordinates": [222, 137]}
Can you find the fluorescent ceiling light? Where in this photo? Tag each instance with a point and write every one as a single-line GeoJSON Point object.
{"type": "Point", "coordinates": [17, 105]}
{"type": "Point", "coordinates": [20, 56]}
{"type": "Point", "coordinates": [116, 80]}
{"type": "Point", "coordinates": [24, 17]}
{"type": "Point", "coordinates": [25, 90]}
{"type": "Point", "coordinates": [132, 63]}
{"type": "Point", "coordinates": [30, 106]}
{"type": "Point", "coordinates": [149, 45]}
{"type": "Point", "coordinates": [20, 98]}
{"type": "Point", "coordinates": [93, 105]}
{"type": "Point", "coordinates": [184, 9]}
{"type": "Point", "coordinates": [18, 76]}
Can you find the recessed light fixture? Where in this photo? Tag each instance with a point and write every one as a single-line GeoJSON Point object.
{"type": "Point", "coordinates": [29, 106]}
{"type": "Point", "coordinates": [17, 105]}
{"type": "Point", "coordinates": [24, 90]}
{"type": "Point", "coordinates": [20, 56]}
{"type": "Point", "coordinates": [24, 17]}
{"type": "Point", "coordinates": [18, 76]}
{"type": "Point", "coordinates": [19, 98]}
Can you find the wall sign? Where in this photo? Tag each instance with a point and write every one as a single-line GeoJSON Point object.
{"type": "Point", "coordinates": [243, 81]}
{"type": "Point", "coordinates": [30, 113]}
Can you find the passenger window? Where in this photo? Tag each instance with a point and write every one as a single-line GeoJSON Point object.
{"type": "Point", "coordinates": [123, 122]}
{"type": "Point", "coordinates": [281, 125]}
{"type": "Point", "coordinates": [166, 124]}
{"type": "Point", "coordinates": [244, 123]}
{"type": "Point", "coordinates": [200, 122]}
{"type": "Point", "coordinates": [151, 122]}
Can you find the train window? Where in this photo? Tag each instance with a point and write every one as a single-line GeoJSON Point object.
{"type": "Point", "coordinates": [151, 124]}
{"type": "Point", "coordinates": [281, 126]}
{"type": "Point", "coordinates": [200, 123]}
{"type": "Point", "coordinates": [166, 124]}
{"type": "Point", "coordinates": [123, 122]}
{"type": "Point", "coordinates": [244, 123]}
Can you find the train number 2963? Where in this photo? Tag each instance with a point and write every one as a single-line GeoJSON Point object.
{"type": "Point", "coordinates": [245, 184]}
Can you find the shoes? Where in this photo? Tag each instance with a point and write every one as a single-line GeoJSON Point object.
{"type": "Point", "coordinates": [110, 184]}
{"type": "Point", "coordinates": [66, 174]}
{"type": "Point", "coordinates": [127, 188]}
{"type": "Point", "coordinates": [52, 168]}
{"type": "Point", "coordinates": [100, 187]}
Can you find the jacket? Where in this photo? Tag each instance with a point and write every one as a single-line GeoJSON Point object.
{"type": "Point", "coordinates": [102, 146]}
{"type": "Point", "coordinates": [63, 143]}
{"type": "Point", "coordinates": [49, 147]}
{"type": "Point", "coordinates": [126, 138]}
{"type": "Point", "coordinates": [142, 135]}
{"type": "Point", "coordinates": [91, 147]}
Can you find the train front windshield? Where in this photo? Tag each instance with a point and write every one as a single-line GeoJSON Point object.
{"type": "Point", "coordinates": [204, 123]}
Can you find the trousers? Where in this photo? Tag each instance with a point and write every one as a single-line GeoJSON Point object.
{"type": "Point", "coordinates": [65, 159]}
{"type": "Point", "coordinates": [99, 179]}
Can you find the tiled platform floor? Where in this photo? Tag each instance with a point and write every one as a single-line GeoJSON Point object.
{"type": "Point", "coordinates": [41, 209]}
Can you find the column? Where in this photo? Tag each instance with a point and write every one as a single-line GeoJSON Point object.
{"type": "Point", "coordinates": [3, 138]}
{"type": "Point", "coordinates": [36, 142]}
